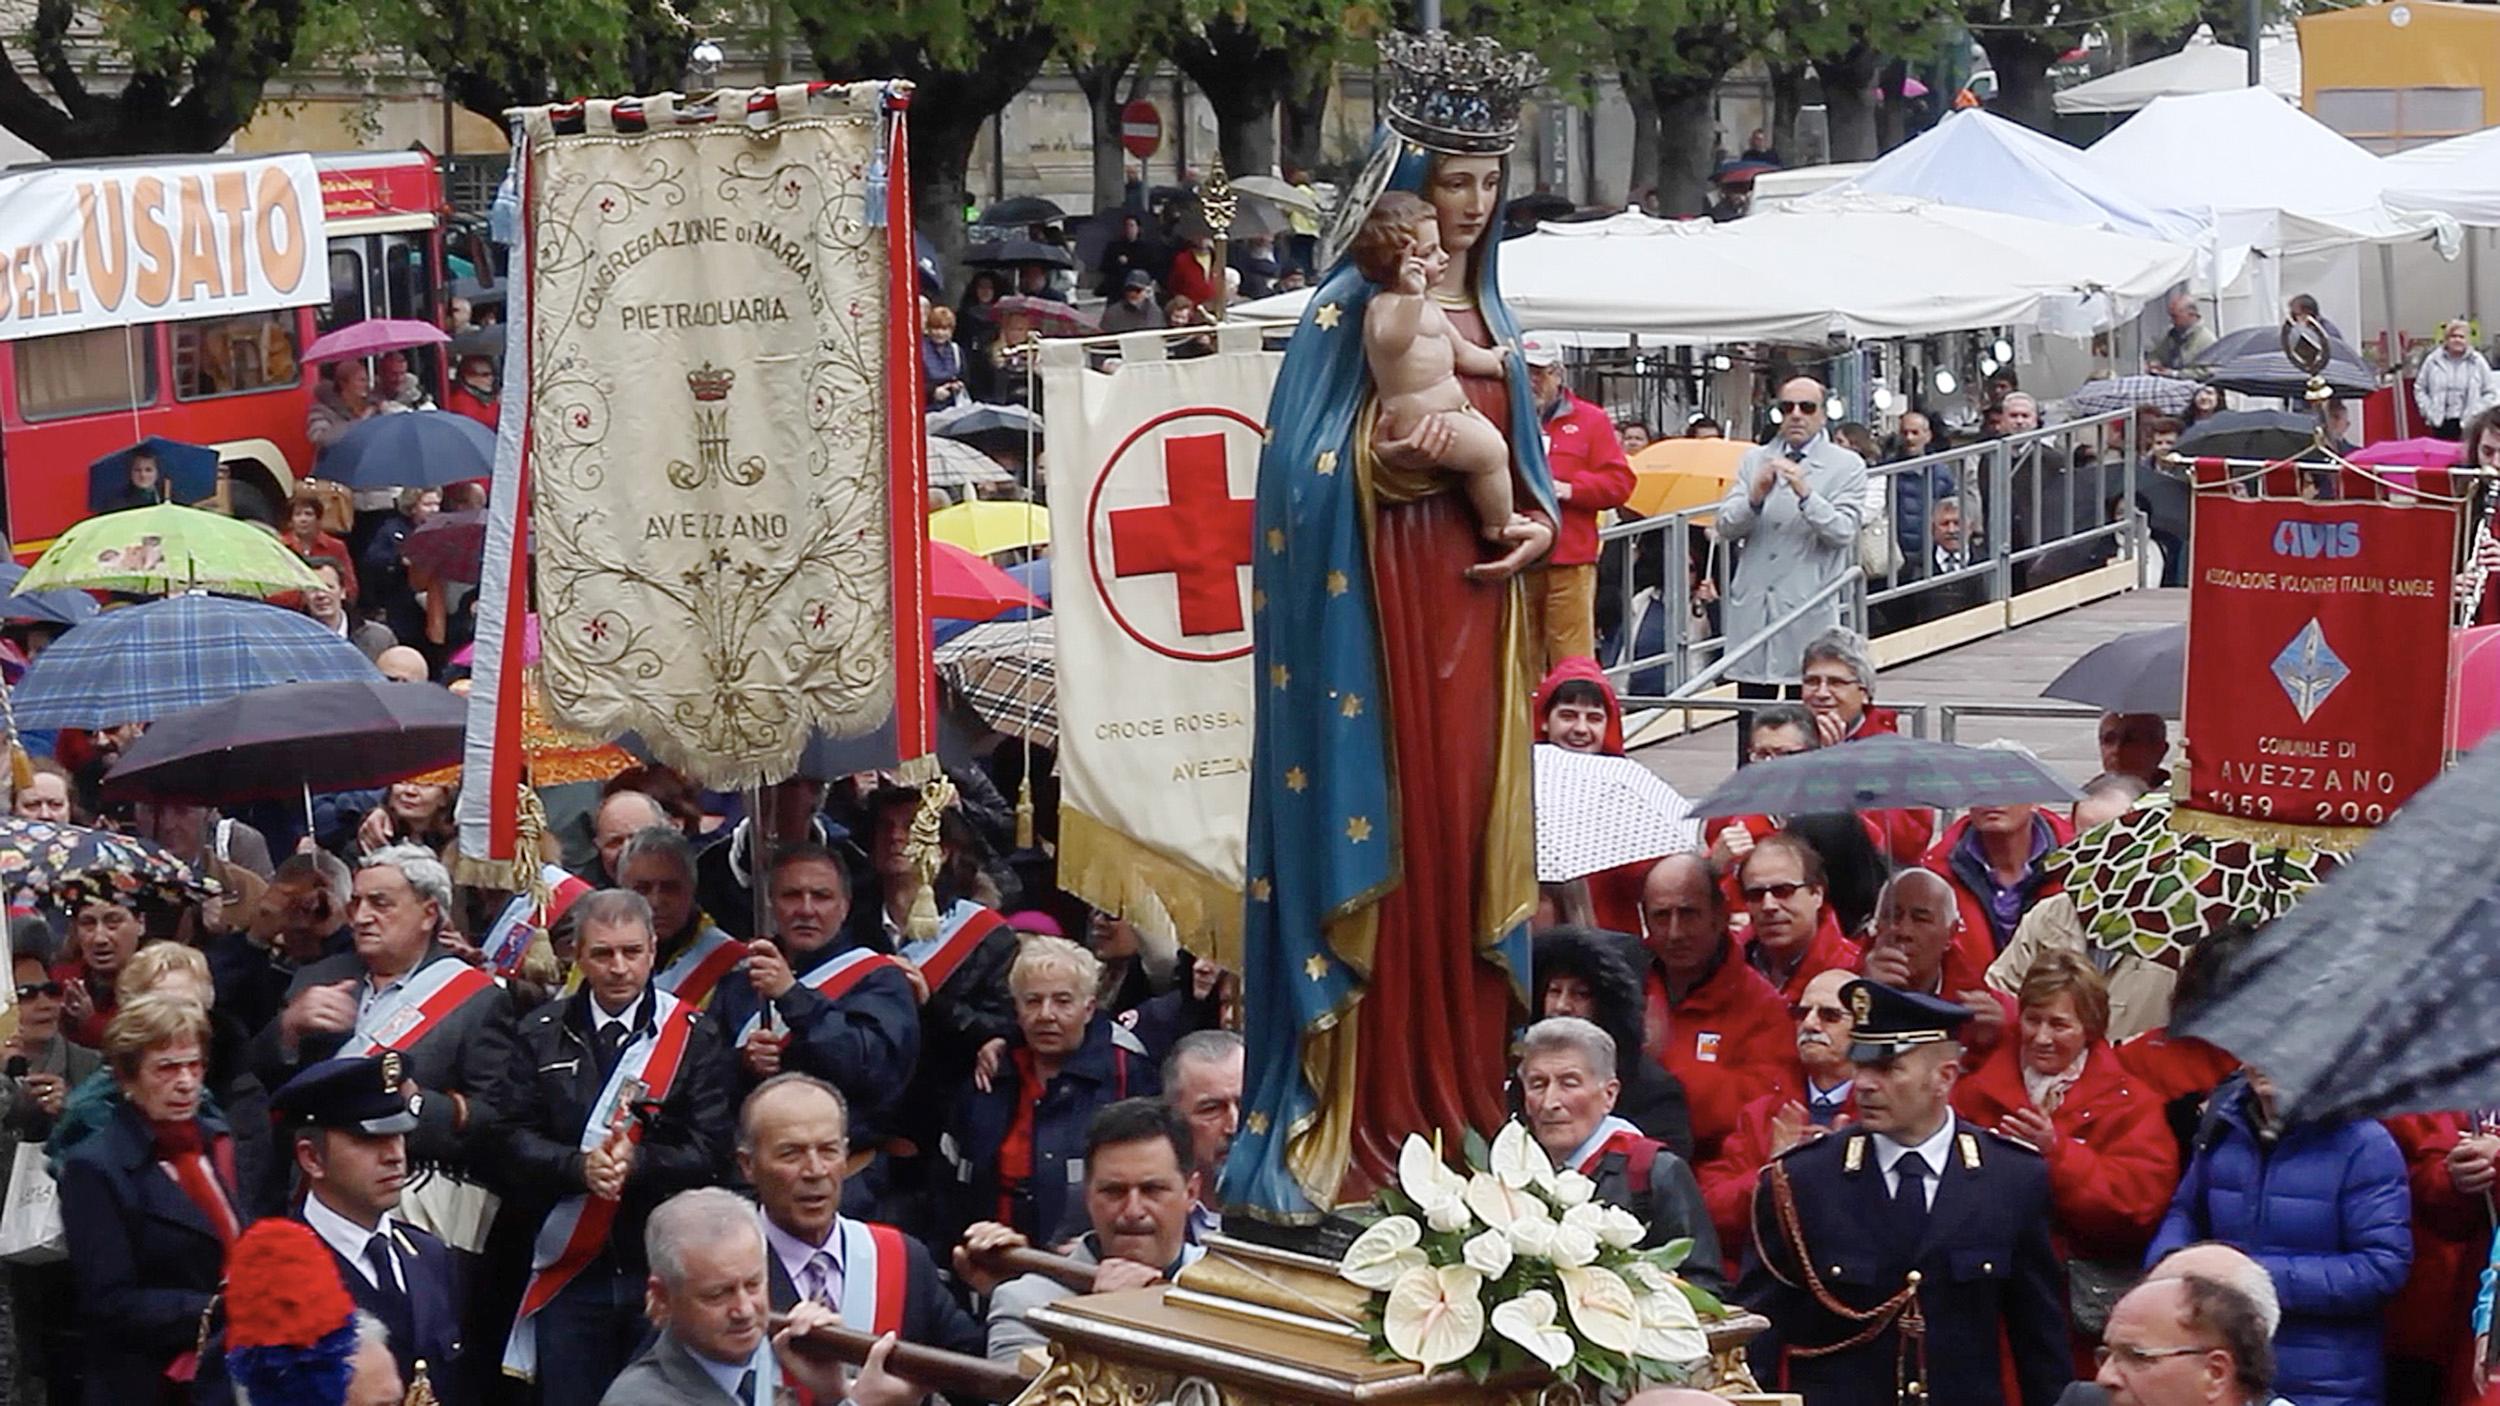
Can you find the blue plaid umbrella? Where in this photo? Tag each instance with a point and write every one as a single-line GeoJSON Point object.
{"type": "Point", "coordinates": [141, 663]}
{"type": "Point", "coordinates": [2167, 394]}
{"type": "Point", "coordinates": [409, 449]}
{"type": "Point", "coordinates": [1885, 773]}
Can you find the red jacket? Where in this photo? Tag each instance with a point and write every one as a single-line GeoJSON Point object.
{"type": "Point", "coordinates": [1728, 1180]}
{"type": "Point", "coordinates": [1189, 279]}
{"type": "Point", "coordinates": [1588, 670]}
{"type": "Point", "coordinates": [1614, 894]}
{"type": "Point", "coordinates": [463, 401]}
{"type": "Point", "coordinates": [1582, 449]}
{"type": "Point", "coordinates": [2114, 1162]}
{"type": "Point", "coordinates": [1978, 940]}
{"type": "Point", "coordinates": [1902, 835]}
{"type": "Point", "coordinates": [2429, 1320]}
{"type": "Point", "coordinates": [2166, 1068]}
{"type": "Point", "coordinates": [1726, 1041]}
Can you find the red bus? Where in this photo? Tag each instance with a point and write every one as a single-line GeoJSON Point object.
{"type": "Point", "coordinates": [233, 383]}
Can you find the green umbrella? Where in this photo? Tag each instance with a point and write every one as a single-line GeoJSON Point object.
{"type": "Point", "coordinates": [167, 549]}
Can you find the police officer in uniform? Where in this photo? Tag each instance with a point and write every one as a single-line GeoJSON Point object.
{"type": "Point", "coordinates": [347, 1121]}
{"type": "Point", "coordinates": [1893, 1258]}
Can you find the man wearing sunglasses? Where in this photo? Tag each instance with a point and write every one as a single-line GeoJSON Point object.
{"type": "Point", "coordinates": [1792, 517]}
{"type": "Point", "coordinates": [1815, 1098]}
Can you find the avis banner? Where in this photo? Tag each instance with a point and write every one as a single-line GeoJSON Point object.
{"type": "Point", "coordinates": [1153, 466]}
{"type": "Point", "coordinates": [106, 246]}
{"type": "Point", "coordinates": [2317, 661]}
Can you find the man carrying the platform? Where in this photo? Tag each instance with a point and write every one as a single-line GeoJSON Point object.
{"type": "Point", "coordinates": [1567, 1087]}
{"type": "Point", "coordinates": [1137, 1168]}
{"type": "Point", "coordinates": [794, 1149]}
{"type": "Point", "coordinates": [348, 1123]}
{"type": "Point", "coordinates": [620, 1100]}
{"type": "Point", "coordinates": [1893, 1258]}
{"type": "Point", "coordinates": [403, 990]}
{"type": "Point", "coordinates": [695, 954]}
{"type": "Point", "coordinates": [812, 1003]}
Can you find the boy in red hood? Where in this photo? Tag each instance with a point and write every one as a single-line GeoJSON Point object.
{"type": "Point", "coordinates": [1576, 710]}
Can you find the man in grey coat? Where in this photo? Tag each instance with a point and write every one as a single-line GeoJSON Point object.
{"type": "Point", "coordinates": [1793, 513]}
{"type": "Point", "coordinates": [711, 1300]}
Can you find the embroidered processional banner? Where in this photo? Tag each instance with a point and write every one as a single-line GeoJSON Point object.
{"type": "Point", "coordinates": [728, 535]}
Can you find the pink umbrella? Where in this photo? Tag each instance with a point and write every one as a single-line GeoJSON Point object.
{"type": "Point", "coordinates": [2409, 454]}
{"type": "Point", "coordinates": [1912, 88]}
{"type": "Point", "coordinates": [2473, 685]}
{"type": "Point", "coordinates": [529, 643]}
{"type": "Point", "coordinates": [374, 336]}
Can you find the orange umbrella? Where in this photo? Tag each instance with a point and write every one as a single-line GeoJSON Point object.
{"type": "Point", "coordinates": [1674, 474]}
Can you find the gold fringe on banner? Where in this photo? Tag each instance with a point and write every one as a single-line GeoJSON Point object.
{"type": "Point", "coordinates": [1117, 873]}
{"type": "Point", "coordinates": [2277, 834]}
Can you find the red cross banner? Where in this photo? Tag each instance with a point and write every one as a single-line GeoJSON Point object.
{"type": "Point", "coordinates": [1153, 463]}
{"type": "Point", "coordinates": [2318, 659]}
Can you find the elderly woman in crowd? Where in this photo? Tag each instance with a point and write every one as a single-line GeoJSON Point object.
{"type": "Point", "coordinates": [304, 533]}
{"type": "Point", "coordinates": [2112, 1164]}
{"type": "Point", "coordinates": [385, 576]}
{"type": "Point", "coordinates": [1568, 1088]}
{"type": "Point", "coordinates": [344, 396]}
{"type": "Point", "coordinates": [1020, 1129]}
{"type": "Point", "coordinates": [1590, 974]}
{"type": "Point", "coordinates": [150, 1204]}
{"type": "Point", "coordinates": [2455, 382]}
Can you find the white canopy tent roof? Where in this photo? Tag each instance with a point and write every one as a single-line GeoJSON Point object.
{"type": "Point", "coordinates": [1913, 268]}
{"type": "Point", "coordinates": [1981, 161]}
{"type": "Point", "coordinates": [2264, 173]}
{"type": "Point", "coordinates": [2459, 177]}
{"type": "Point", "coordinates": [1780, 187]}
{"type": "Point", "coordinates": [2203, 66]}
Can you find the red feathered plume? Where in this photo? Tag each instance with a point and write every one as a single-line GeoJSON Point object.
{"type": "Point", "coordinates": [283, 1288]}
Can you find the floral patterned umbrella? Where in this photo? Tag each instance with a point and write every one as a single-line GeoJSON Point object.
{"type": "Point", "coordinates": [72, 864]}
{"type": "Point", "coordinates": [2147, 884]}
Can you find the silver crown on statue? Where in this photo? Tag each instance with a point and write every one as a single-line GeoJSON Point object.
{"type": "Point", "coordinates": [1459, 96]}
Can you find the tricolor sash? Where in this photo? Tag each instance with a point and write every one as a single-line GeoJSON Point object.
{"type": "Point", "coordinates": [875, 1270]}
{"type": "Point", "coordinates": [832, 981]}
{"type": "Point", "coordinates": [959, 933]}
{"type": "Point", "coordinates": [697, 971]}
{"type": "Point", "coordinates": [1610, 1135]}
{"type": "Point", "coordinates": [406, 1016]}
{"type": "Point", "coordinates": [577, 1228]}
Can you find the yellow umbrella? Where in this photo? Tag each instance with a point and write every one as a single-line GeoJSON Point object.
{"type": "Point", "coordinates": [1674, 474]}
{"type": "Point", "coordinates": [986, 527]}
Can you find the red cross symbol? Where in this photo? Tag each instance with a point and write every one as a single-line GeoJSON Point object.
{"type": "Point", "coordinates": [1201, 537]}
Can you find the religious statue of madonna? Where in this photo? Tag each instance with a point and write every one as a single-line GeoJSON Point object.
{"type": "Point", "coordinates": [1391, 844]}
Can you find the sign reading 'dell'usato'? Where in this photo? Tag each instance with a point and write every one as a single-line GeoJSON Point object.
{"type": "Point", "coordinates": [2317, 668]}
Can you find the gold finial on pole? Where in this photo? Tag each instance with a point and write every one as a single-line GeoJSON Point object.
{"type": "Point", "coordinates": [1216, 198]}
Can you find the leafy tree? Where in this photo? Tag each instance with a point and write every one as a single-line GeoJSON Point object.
{"type": "Point", "coordinates": [195, 71]}
{"type": "Point", "coordinates": [2023, 38]}
{"type": "Point", "coordinates": [1247, 57]}
{"type": "Point", "coordinates": [493, 55]}
{"type": "Point", "coordinates": [1676, 51]}
{"type": "Point", "coordinates": [1847, 44]}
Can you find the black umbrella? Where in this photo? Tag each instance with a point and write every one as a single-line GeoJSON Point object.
{"type": "Point", "coordinates": [2251, 434]}
{"type": "Point", "coordinates": [1885, 773]}
{"type": "Point", "coordinates": [274, 743]}
{"type": "Point", "coordinates": [1015, 253]}
{"type": "Point", "coordinates": [487, 340]}
{"type": "Point", "coordinates": [2252, 362]}
{"type": "Point", "coordinates": [2141, 672]}
{"type": "Point", "coordinates": [1022, 210]}
{"type": "Point", "coordinates": [2373, 995]}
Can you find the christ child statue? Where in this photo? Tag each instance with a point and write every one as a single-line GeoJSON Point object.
{"type": "Point", "coordinates": [1416, 355]}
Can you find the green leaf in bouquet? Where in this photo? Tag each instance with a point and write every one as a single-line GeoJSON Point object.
{"type": "Point", "coordinates": [1673, 1254]}
{"type": "Point", "coordinates": [1602, 1366]}
{"type": "Point", "coordinates": [1398, 1203]}
{"type": "Point", "coordinates": [1706, 1305]}
{"type": "Point", "coordinates": [1478, 1152]}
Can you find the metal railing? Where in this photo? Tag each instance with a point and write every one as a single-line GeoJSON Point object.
{"type": "Point", "coordinates": [2038, 521]}
{"type": "Point", "coordinates": [1949, 715]}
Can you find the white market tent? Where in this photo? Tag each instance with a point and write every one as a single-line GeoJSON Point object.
{"type": "Point", "coordinates": [1858, 266]}
{"type": "Point", "coordinates": [1980, 161]}
{"type": "Point", "coordinates": [2291, 203]}
{"type": "Point", "coordinates": [2459, 177]}
{"type": "Point", "coordinates": [2203, 66]}
{"type": "Point", "coordinates": [1780, 187]}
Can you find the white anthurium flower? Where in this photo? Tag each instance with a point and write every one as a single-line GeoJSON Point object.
{"type": "Point", "coordinates": [1619, 1227]}
{"type": "Point", "coordinates": [1435, 1316]}
{"type": "Point", "coordinates": [1603, 1307]}
{"type": "Point", "coordinates": [1573, 1189]}
{"type": "Point", "coordinates": [1574, 1245]}
{"type": "Point", "coordinates": [1532, 1236]}
{"type": "Point", "coordinates": [1424, 1177]}
{"type": "Point", "coordinates": [1449, 1217]}
{"type": "Point", "coordinates": [1528, 1320]}
{"type": "Point", "coordinates": [1518, 1161]}
{"type": "Point", "coordinates": [1497, 1202]}
{"type": "Point", "coordinates": [1488, 1254]}
{"type": "Point", "coordinates": [1669, 1329]}
{"type": "Point", "coordinates": [1649, 1278]}
{"type": "Point", "coordinates": [1384, 1252]}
